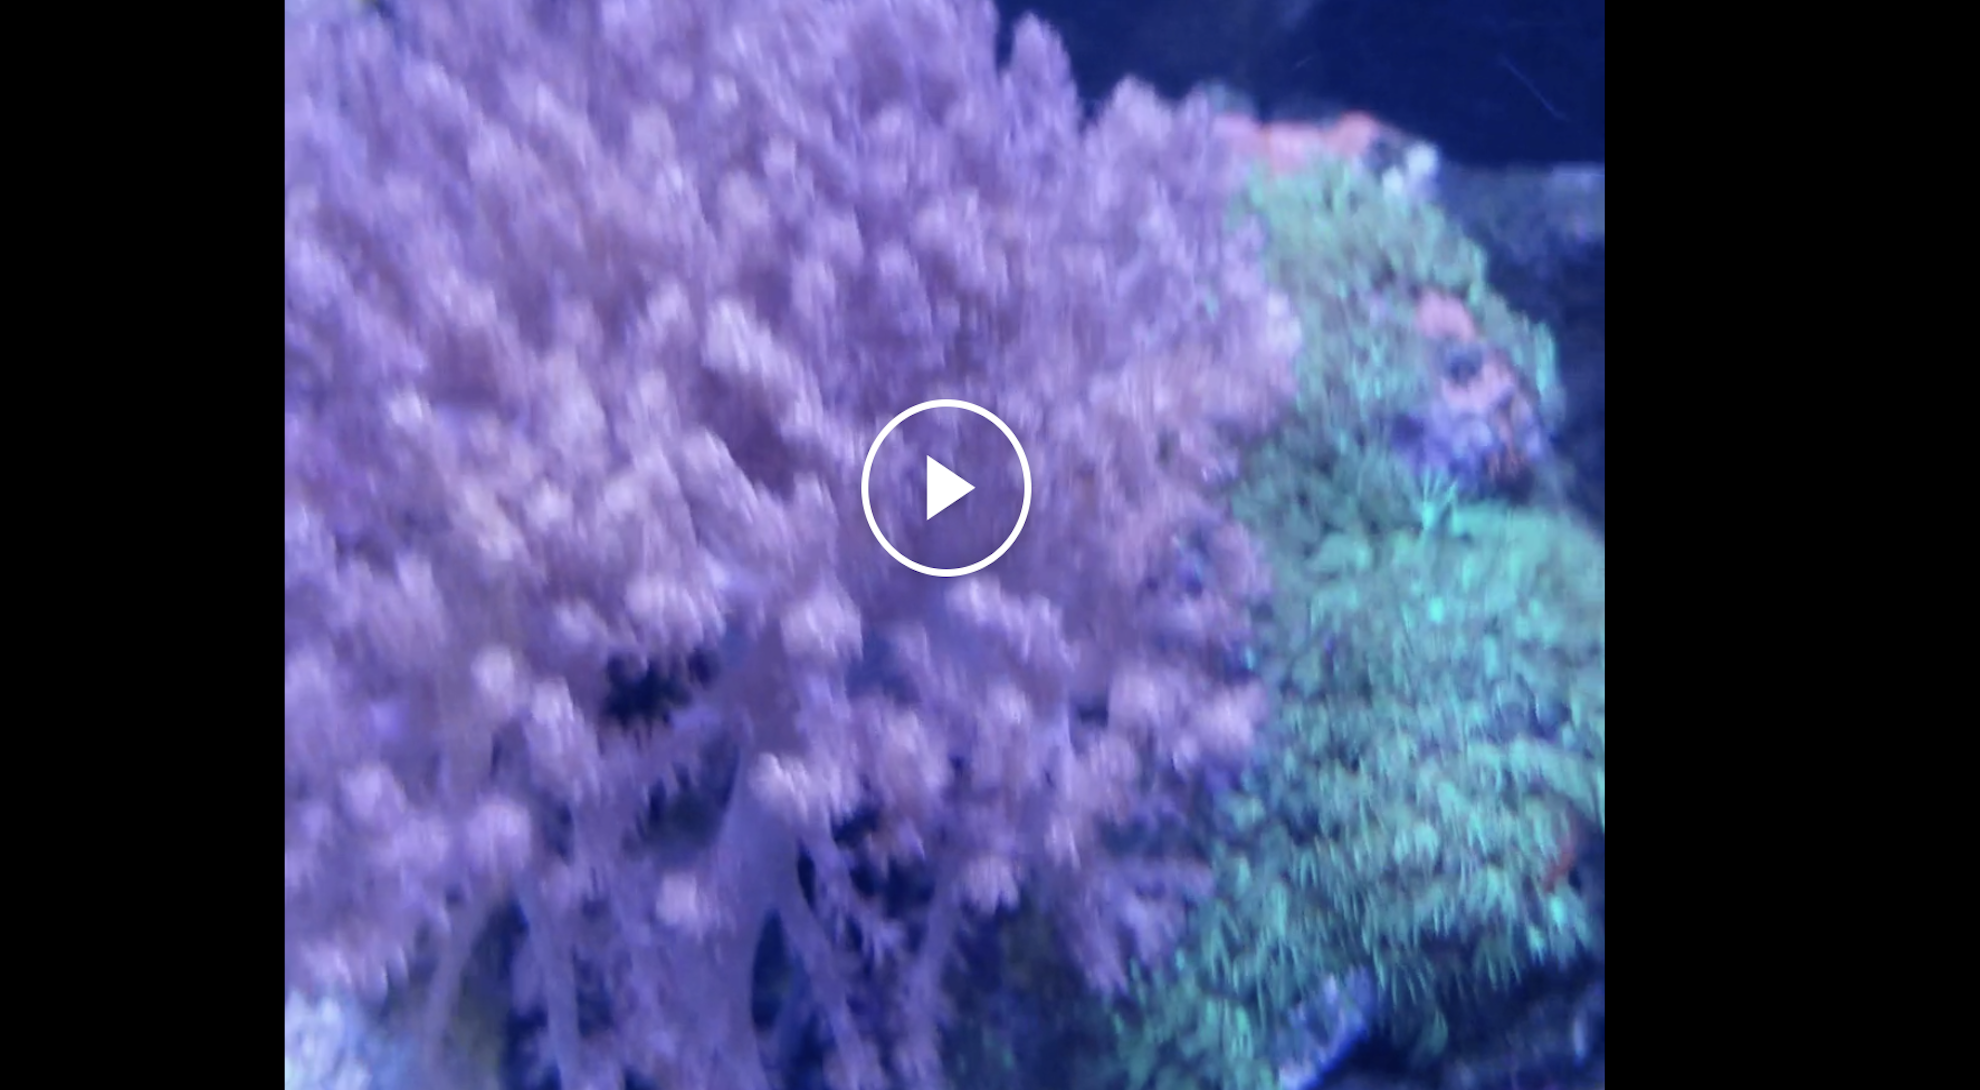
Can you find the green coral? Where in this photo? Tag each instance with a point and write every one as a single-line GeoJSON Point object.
{"type": "Point", "coordinates": [1438, 747]}
{"type": "Point", "coordinates": [1438, 743]}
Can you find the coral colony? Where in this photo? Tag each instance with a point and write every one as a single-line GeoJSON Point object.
{"type": "Point", "coordinates": [1278, 725]}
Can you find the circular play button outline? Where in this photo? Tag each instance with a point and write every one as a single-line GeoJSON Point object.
{"type": "Point", "coordinates": [866, 480]}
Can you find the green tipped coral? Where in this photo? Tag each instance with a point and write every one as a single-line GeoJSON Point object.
{"type": "Point", "coordinates": [1437, 754]}
{"type": "Point", "coordinates": [1437, 751]}
{"type": "Point", "coordinates": [1442, 733]}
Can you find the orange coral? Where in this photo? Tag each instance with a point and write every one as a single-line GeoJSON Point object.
{"type": "Point", "coordinates": [1283, 147]}
{"type": "Point", "coordinates": [1567, 853]}
{"type": "Point", "coordinates": [1478, 391]}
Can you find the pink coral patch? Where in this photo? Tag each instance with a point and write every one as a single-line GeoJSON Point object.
{"type": "Point", "coordinates": [1442, 317]}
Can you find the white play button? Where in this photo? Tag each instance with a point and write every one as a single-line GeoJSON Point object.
{"type": "Point", "coordinates": [944, 487]}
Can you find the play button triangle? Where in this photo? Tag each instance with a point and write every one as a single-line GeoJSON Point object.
{"type": "Point", "coordinates": [944, 487]}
